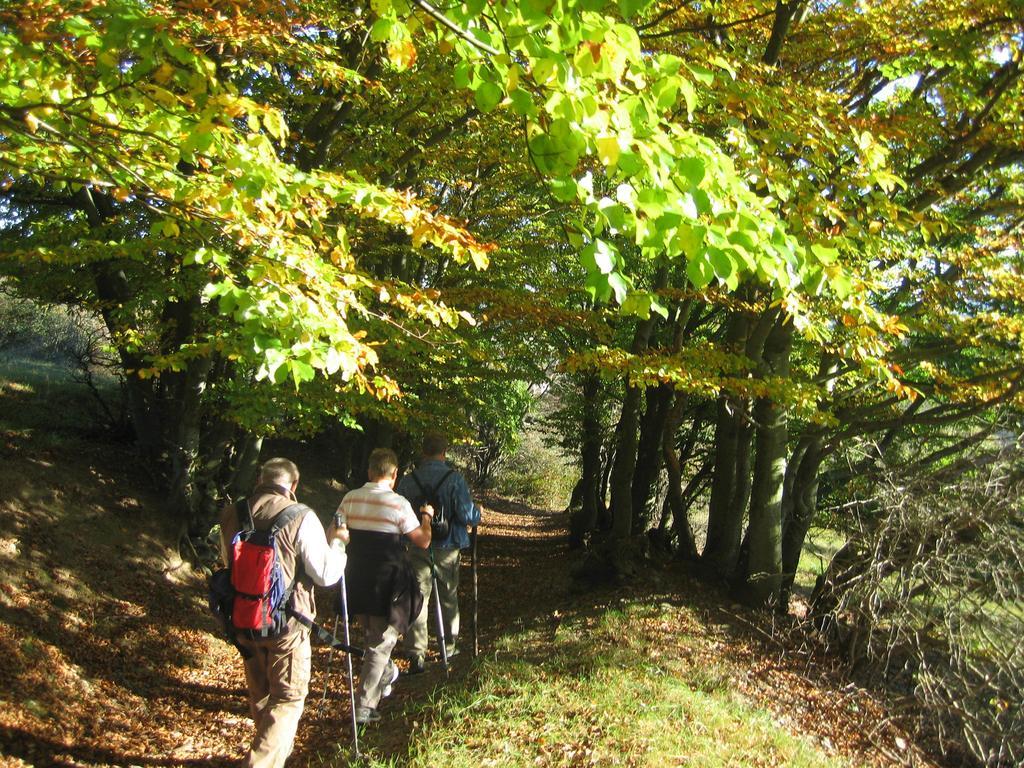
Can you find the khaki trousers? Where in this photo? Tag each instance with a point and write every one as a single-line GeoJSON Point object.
{"type": "Point", "coordinates": [446, 563]}
{"type": "Point", "coordinates": [277, 674]}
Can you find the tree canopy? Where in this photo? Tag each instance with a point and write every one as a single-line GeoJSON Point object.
{"type": "Point", "coordinates": [761, 249]}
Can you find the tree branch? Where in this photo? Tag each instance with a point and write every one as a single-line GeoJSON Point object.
{"type": "Point", "coordinates": [455, 28]}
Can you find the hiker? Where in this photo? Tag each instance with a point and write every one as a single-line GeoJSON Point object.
{"type": "Point", "coordinates": [382, 590]}
{"type": "Point", "coordinates": [277, 669]}
{"type": "Point", "coordinates": [451, 490]}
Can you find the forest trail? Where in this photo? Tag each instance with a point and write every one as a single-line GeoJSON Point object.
{"type": "Point", "coordinates": [107, 652]}
{"type": "Point", "coordinates": [108, 657]}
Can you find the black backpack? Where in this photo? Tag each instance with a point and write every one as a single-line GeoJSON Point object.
{"type": "Point", "coordinates": [440, 524]}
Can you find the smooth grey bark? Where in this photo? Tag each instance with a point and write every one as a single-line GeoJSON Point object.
{"type": "Point", "coordinates": [721, 550]}
{"type": "Point", "coordinates": [764, 565]}
{"type": "Point", "coordinates": [649, 453]}
{"type": "Point", "coordinates": [626, 435]}
{"type": "Point", "coordinates": [247, 465]}
{"type": "Point", "coordinates": [800, 502]}
{"type": "Point", "coordinates": [674, 500]}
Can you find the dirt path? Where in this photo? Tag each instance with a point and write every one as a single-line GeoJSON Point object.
{"type": "Point", "coordinates": [107, 655]}
{"type": "Point", "coordinates": [522, 577]}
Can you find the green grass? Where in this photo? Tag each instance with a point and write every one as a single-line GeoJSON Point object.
{"type": "Point", "coordinates": [626, 687]}
{"type": "Point", "coordinates": [40, 400]}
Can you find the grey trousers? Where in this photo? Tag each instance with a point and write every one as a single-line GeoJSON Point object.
{"type": "Point", "coordinates": [377, 668]}
{"type": "Point", "coordinates": [447, 562]}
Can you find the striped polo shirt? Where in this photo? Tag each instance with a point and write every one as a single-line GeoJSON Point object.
{"type": "Point", "coordinates": [375, 507]}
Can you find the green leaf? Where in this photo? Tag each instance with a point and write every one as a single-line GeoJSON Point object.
{"type": "Point", "coordinates": [630, 8]}
{"type": "Point", "coordinates": [692, 168]}
{"type": "Point", "coordinates": [462, 74]}
{"type": "Point", "coordinates": [722, 263]}
{"type": "Point", "coordinates": [825, 254]}
{"type": "Point", "coordinates": [666, 91]}
{"type": "Point", "coordinates": [841, 285]}
{"type": "Point", "coordinates": [701, 74]}
{"type": "Point", "coordinates": [381, 30]}
{"type": "Point", "coordinates": [689, 240]}
{"type": "Point", "coordinates": [301, 371]}
{"type": "Point", "coordinates": [488, 96]}
{"type": "Point", "coordinates": [608, 149]}
{"type": "Point", "coordinates": [522, 103]}
{"type": "Point", "coordinates": [699, 272]}
{"type": "Point", "coordinates": [564, 189]}
{"type": "Point", "coordinates": [597, 286]}
{"type": "Point", "coordinates": [689, 94]}
{"type": "Point", "coordinates": [619, 285]}
{"type": "Point", "coordinates": [599, 255]}
{"type": "Point", "coordinates": [637, 303]}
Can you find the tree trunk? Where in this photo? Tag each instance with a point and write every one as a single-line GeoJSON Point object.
{"type": "Point", "coordinates": [247, 465]}
{"type": "Point", "coordinates": [725, 521]}
{"type": "Point", "coordinates": [687, 545]}
{"type": "Point", "coordinates": [764, 566]}
{"type": "Point", "coordinates": [648, 463]}
{"type": "Point", "coordinates": [604, 518]}
{"type": "Point", "coordinates": [626, 434]}
{"type": "Point", "coordinates": [785, 14]}
{"type": "Point", "coordinates": [585, 520]}
{"type": "Point", "coordinates": [800, 503]}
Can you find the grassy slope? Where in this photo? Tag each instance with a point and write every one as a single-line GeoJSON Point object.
{"type": "Point", "coordinates": [107, 658]}
{"type": "Point", "coordinates": [625, 687]}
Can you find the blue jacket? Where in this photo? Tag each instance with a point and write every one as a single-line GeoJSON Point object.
{"type": "Point", "coordinates": [454, 494]}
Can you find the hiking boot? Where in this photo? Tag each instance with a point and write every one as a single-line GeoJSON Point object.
{"type": "Point", "coordinates": [366, 715]}
{"type": "Point", "coordinates": [416, 666]}
{"type": "Point", "coordinates": [394, 676]}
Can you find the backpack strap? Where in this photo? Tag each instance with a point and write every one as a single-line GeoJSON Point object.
{"type": "Point", "coordinates": [436, 488]}
{"type": "Point", "coordinates": [283, 519]}
{"type": "Point", "coordinates": [286, 516]}
{"type": "Point", "coordinates": [416, 479]}
{"type": "Point", "coordinates": [447, 474]}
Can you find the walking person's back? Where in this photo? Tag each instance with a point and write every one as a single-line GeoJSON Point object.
{"type": "Point", "coordinates": [278, 659]}
{"type": "Point", "coordinates": [382, 589]}
{"type": "Point", "coordinates": [434, 475]}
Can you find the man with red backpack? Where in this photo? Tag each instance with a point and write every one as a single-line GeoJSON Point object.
{"type": "Point", "coordinates": [270, 540]}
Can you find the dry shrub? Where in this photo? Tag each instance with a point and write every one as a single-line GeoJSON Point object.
{"type": "Point", "coordinates": [929, 593]}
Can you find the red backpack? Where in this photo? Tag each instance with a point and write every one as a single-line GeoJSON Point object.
{"type": "Point", "coordinates": [260, 607]}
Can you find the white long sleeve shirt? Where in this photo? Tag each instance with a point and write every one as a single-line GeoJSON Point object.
{"type": "Point", "coordinates": [323, 562]}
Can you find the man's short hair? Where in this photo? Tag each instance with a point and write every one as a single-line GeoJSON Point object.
{"type": "Point", "coordinates": [279, 472]}
{"type": "Point", "coordinates": [434, 444]}
{"type": "Point", "coordinates": [382, 462]}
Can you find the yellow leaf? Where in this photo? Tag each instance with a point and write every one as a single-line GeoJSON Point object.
{"type": "Point", "coordinates": [31, 122]}
{"type": "Point", "coordinates": [608, 149]}
{"type": "Point", "coordinates": [402, 53]}
{"type": "Point", "coordinates": [163, 73]}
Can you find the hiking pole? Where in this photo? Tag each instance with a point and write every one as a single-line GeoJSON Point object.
{"type": "Point", "coordinates": [439, 614]}
{"type": "Point", "coordinates": [338, 522]}
{"type": "Point", "coordinates": [472, 555]}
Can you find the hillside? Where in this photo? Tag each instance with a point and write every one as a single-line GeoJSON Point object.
{"type": "Point", "coordinates": [109, 659]}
